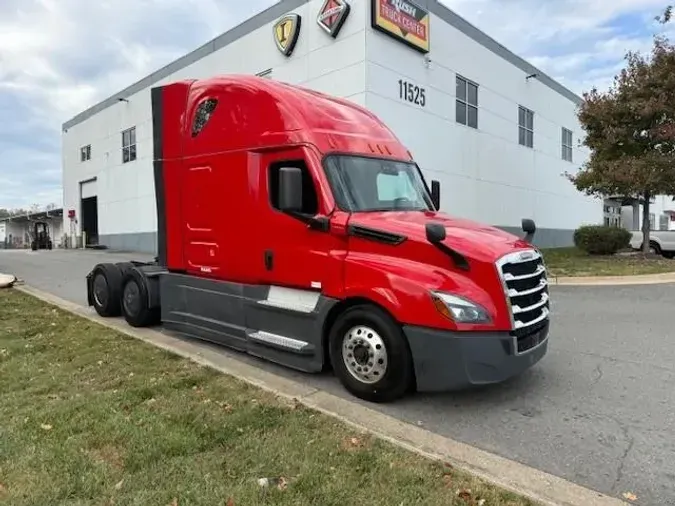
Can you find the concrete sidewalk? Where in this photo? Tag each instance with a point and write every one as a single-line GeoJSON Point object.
{"type": "Point", "coordinates": [641, 279]}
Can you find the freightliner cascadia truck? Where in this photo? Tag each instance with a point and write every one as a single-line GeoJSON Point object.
{"type": "Point", "coordinates": [294, 226]}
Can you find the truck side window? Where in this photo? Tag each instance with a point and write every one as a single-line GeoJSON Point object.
{"type": "Point", "coordinates": [310, 203]}
{"type": "Point", "coordinates": [203, 114]}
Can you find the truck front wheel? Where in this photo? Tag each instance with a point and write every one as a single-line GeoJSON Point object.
{"type": "Point", "coordinates": [370, 355]}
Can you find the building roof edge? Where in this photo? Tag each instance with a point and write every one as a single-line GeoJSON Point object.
{"type": "Point", "coordinates": [282, 7]}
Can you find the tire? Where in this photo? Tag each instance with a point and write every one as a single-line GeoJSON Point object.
{"type": "Point", "coordinates": [49, 245]}
{"type": "Point", "coordinates": [657, 249]}
{"type": "Point", "coordinates": [653, 247]}
{"type": "Point", "coordinates": [33, 245]}
{"type": "Point", "coordinates": [388, 377]}
{"type": "Point", "coordinates": [124, 267]}
{"type": "Point", "coordinates": [135, 308]}
{"type": "Point", "coordinates": [106, 287]}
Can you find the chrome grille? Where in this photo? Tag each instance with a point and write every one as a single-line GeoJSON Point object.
{"type": "Point", "coordinates": [523, 276]}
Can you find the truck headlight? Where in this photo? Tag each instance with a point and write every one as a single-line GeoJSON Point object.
{"type": "Point", "coordinates": [459, 309]}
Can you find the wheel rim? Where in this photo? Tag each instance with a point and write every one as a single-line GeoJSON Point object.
{"type": "Point", "coordinates": [364, 354]}
{"type": "Point", "coordinates": [131, 298]}
{"type": "Point", "coordinates": [100, 290]}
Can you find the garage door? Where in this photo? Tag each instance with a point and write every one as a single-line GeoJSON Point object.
{"type": "Point", "coordinates": [88, 189]}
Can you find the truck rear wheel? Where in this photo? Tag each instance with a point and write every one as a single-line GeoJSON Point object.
{"type": "Point", "coordinates": [135, 302]}
{"type": "Point", "coordinates": [370, 355]}
{"type": "Point", "coordinates": [106, 289]}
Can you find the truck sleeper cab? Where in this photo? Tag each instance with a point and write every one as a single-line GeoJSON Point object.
{"type": "Point", "coordinates": [294, 226]}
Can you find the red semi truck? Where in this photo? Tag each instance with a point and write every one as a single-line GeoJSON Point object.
{"type": "Point", "coordinates": [294, 226]}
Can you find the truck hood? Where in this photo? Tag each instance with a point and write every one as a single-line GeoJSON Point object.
{"type": "Point", "coordinates": [471, 239]}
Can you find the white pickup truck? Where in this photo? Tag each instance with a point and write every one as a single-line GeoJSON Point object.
{"type": "Point", "coordinates": [661, 242]}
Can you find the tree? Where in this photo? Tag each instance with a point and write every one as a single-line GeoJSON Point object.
{"type": "Point", "coordinates": [630, 130]}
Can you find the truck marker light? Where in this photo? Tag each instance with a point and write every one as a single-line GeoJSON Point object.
{"type": "Point", "coordinates": [459, 309]}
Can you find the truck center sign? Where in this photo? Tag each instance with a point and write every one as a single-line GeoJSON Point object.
{"type": "Point", "coordinates": [403, 20]}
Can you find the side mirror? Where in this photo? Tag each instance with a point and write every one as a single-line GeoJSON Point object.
{"type": "Point", "coordinates": [529, 228]}
{"type": "Point", "coordinates": [435, 233]}
{"type": "Point", "coordinates": [290, 189]}
{"type": "Point", "coordinates": [436, 194]}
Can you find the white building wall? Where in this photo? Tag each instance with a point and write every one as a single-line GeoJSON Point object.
{"type": "Point", "coordinates": [484, 173]}
{"type": "Point", "coordinates": [126, 200]}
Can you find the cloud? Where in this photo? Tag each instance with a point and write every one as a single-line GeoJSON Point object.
{"type": "Point", "coordinates": [58, 57]}
{"type": "Point", "coordinates": [581, 43]}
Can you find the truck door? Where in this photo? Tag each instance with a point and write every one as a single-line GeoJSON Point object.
{"type": "Point", "coordinates": [293, 254]}
{"type": "Point", "coordinates": [202, 255]}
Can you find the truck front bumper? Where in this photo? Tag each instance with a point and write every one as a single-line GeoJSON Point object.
{"type": "Point", "coordinates": [446, 360]}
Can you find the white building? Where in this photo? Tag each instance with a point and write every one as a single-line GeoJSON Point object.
{"type": "Point", "coordinates": [496, 131]}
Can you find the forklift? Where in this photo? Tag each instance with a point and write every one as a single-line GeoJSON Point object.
{"type": "Point", "coordinates": [41, 238]}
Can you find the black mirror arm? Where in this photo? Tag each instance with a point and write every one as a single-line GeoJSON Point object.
{"type": "Point", "coordinates": [320, 223]}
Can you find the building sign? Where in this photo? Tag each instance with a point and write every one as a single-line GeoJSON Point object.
{"type": "Point", "coordinates": [403, 20]}
{"type": "Point", "coordinates": [332, 16]}
{"type": "Point", "coordinates": [286, 32]}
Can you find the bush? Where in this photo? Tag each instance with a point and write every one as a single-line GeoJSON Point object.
{"type": "Point", "coordinates": [601, 240]}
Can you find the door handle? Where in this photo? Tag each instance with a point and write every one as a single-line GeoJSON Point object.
{"type": "Point", "coordinates": [269, 259]}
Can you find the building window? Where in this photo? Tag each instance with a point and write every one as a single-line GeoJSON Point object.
{"type": "Point", "coordinates": [129, 145]}
{"type": "Point", "coordinates": [466, 106]}
{"type": "Point", "coordinates": [85, 153]}
{"type": "Point", "coordinates": [566, 144]}
{"type": "Point", "coordinates": [525, 127]}
{"type": "Point", "coordinates": [663, 222]}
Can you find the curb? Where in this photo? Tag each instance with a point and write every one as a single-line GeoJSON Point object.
{"type": "Point", "coordinates": [638, 279]}
{"type": "Point", "coordinates": [536, 485]}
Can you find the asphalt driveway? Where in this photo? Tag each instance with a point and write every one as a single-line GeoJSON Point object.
{"type": "Point", "coordinates": [599, 410]}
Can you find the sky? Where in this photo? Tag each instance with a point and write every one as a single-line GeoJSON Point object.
{"type": "Point", "coordinates": [59, 57]}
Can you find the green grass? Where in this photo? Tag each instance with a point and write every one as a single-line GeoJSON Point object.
{"type": "Point", "coordinates": [89, 416]}
{"type": "Point", "coordinates": [574, 262]}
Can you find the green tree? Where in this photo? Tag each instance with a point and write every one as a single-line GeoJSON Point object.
{"type": "Point", "coordinates": [630, 130]}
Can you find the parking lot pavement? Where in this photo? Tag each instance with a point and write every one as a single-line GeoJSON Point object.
{"type": "Point", "coordinates": [599, 410]}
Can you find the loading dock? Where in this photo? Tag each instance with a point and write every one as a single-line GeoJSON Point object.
{"type": "Point", "coordinates": [89, 211]}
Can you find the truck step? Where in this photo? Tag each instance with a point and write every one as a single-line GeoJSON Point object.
{"type": "Point", "coordinates": [281, 342]}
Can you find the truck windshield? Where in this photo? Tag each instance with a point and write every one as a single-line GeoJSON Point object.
{"type": "Point", "coordinates": [374, 184]}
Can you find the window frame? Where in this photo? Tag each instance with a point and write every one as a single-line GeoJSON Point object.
{"type": "Point", "coordinates": [130, 150]}
{"type": "Point", "coordinates": [528, 114]}
{"type": "Point", "coordinates": [567, 150]}
{"type": "Point", "coordinates": [465, 102]}
{"type": "Point", "coordinates": [85, 153]}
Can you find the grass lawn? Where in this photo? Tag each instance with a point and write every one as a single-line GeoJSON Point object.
{"type": "Point", "coordinates": [574, 262]}
{"type": "Point", "coordinates": [89, 416]}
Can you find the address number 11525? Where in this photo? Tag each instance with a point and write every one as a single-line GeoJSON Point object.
{"type": "Point", "coordinates": [411, 93]}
